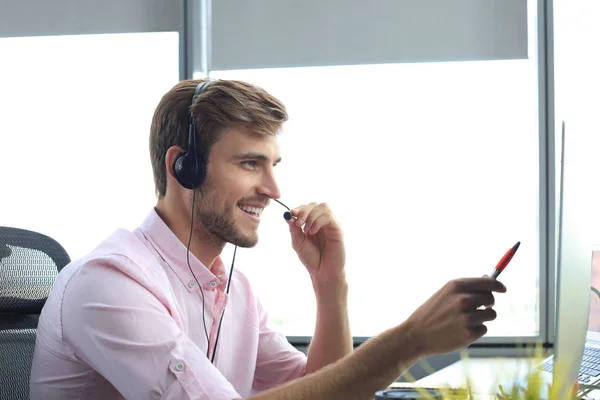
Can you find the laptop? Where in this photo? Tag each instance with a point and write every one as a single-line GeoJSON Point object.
{"type": "Point", "coordinates": [577, 329]}
{"type": "Point", "coordinates": [589, 369]}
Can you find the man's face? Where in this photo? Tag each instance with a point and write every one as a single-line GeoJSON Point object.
{"type": "Point", "coordinates": [239, 183]}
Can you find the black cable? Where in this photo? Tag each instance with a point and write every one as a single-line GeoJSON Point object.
{"type": "Point", "coordinates": [287, 215]}
{"type": "Point", "coordinates": [223, 313]}
{"type": "Point", "coordinates": [194, 275]}
{"type": "Point", "coordinates": [200, 287]}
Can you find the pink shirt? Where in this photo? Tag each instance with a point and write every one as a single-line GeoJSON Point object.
{"type": "Point", "coordinates": [126, 322]}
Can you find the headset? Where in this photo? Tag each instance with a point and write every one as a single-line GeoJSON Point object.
{"type": "Point", "coordinates": [190, 166]}
{"type": "Point", "coordinates": [190, 171]}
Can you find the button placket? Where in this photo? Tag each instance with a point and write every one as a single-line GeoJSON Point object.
{"type": "Point", "coordinates": [220, 302]}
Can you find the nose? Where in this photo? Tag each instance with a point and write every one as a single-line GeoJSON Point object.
{"type": "Point", "coordinates": [269, 185]}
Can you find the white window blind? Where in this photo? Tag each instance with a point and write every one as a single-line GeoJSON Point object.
{"type": "Point", "coordinates": [73, 17]}
{"type": "Point", "coordinates": [276, 33]}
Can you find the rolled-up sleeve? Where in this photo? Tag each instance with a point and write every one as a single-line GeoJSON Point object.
{"type": "Point", "coordinates": [116, 324]}
{"type": "Point", "coordinates": [277, 361]}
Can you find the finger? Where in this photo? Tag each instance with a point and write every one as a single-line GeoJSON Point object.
{"type": "Point", "coordinates": [315, 214]}
{"type": "Point", "coordinates": [472, 301]}
{"type": "Point", "coordinates": [301, 213]}
{"type": "Point", "coordinates": [478, 331]}
{"type": "Point", "coordinates": [477, 317]}
{"type": "Point", "coordinates": [486, 276]}
{"type": "Point", "coordinates": [320, 222]}
{"type": "Point", "coordinates": [484, 284]}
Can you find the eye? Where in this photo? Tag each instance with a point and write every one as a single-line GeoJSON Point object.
{"type": "Point", "coordinates": [249, 163]}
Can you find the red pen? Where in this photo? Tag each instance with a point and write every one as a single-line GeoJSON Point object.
{"type": "Point", "coordinates": [505, 260]}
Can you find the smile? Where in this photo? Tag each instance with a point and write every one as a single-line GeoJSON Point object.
{"type": "Point", "coordinates": [253, 212]}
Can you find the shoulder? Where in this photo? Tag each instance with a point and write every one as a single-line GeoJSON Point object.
{"type": "Point", "coordinates": [120, 262]}
{"type": "Point", "coordinates": [124, 253]}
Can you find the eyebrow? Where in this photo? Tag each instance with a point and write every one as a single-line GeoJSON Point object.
{"type": "Point", "coordinates": [255, 156]}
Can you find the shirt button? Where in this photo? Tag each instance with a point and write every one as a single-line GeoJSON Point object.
{"type": "Point", "coordinates": [192, 284]}
{"type": "Point", "coordinates": [179, 367]}
{"type": "Point", "coordinates": [213, 283]}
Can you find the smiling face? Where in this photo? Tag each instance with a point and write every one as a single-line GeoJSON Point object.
{"type": "Point", "coordinates": [239, 183]}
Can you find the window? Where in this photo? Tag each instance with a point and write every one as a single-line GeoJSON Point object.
{"type": "Point", "coordinates": [432, 170]}
{"type": "Point", "coordinates": [431, 167]}
{"type": "Point", "coordinates": [576, 38]}
{"type": "Point", "coordinates": [76, 114]}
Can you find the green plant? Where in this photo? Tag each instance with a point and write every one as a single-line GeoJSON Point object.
{"type": "Point", "coordinates": [528, 386]}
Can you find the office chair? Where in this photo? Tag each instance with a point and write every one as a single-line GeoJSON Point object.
{"type": "Point", "coordinates": [29, 264]}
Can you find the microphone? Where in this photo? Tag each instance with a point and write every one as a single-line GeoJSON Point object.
{"type": "Point", "coordinates": [286, 215]}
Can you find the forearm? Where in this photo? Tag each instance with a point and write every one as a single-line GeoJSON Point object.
{"type": "Point", "coordinates": [332, 339]}
{"type": "Point", "coordinates": [373, 366]}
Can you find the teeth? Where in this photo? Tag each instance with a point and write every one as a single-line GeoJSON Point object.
{"type": "Point", "coordinates": [252, 210]}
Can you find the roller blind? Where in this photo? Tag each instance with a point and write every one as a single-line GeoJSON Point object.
{"type": "Point", "coordinates": [72, 17]}
{"type": "Point", "coordinates": [279, 33]}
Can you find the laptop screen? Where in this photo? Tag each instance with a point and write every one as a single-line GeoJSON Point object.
{"type": "Point", "coordinates": [594, 321]}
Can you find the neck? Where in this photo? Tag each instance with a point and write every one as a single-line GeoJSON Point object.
{"type": "Point", "coordinates": [204, 245]}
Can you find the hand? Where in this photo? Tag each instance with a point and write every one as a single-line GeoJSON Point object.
{"type": "Point", "coordinates": [318, 240]}
{"type": "Point", "coordinates": [451, 318]}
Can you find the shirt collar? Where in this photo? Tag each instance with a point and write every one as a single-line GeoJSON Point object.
{"type": "Point", "coordinates": [174, 253]}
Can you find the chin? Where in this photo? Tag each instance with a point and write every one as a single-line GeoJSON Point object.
{"type": "Point", "coordinates": [241, 236]}
{"type": "Point", "coordinates": [247, 241]}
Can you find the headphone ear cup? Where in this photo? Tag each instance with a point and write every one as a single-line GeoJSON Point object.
{"type": "Point", "coordinates": [186, 173]}
{"type": "Point", "coordinates": [181, 170]}
{"type": "Point", "coordinates": [189, 168]}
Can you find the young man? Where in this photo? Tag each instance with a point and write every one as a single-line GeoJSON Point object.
{"type": "Point", "coordinates": [149, 314]}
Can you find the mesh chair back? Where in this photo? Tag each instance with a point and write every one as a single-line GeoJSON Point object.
{"type": "Point", "coordinates": [29, 264]}
{"type": "Point", "coordinates": [16, 354]}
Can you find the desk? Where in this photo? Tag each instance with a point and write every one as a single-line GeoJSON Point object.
{"type": "Point", "coordinates": [485, 375]}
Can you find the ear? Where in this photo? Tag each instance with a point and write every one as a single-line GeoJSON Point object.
{"type": "Point", "coordinates": [172, 154]}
